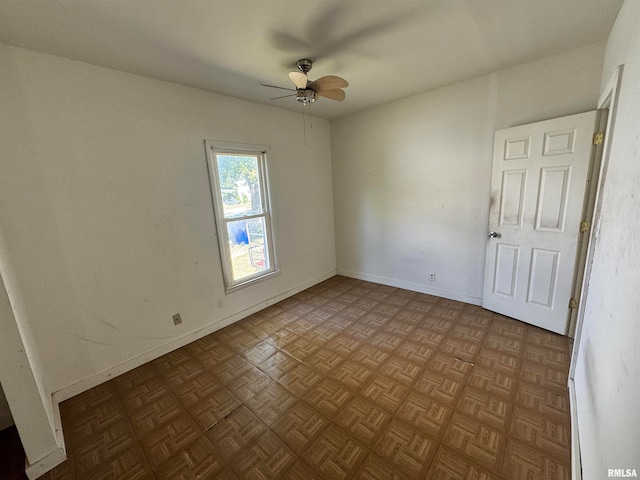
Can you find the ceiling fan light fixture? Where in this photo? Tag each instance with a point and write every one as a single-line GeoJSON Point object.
{"type": "Point", "coordinates": [306, 96]}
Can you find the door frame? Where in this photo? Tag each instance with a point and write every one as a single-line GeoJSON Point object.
{"type": "Point", "coordinates": [608, 101]}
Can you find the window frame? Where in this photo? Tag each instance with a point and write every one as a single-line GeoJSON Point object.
{"type": "Point", "coordinates": [260, 152]}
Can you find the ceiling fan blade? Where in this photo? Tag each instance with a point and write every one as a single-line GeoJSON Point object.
{"type": "Point", "coordinates": [330, 82]}
{"type": "Point", "coordinates": [283, 96]}
{"type": "Point", "coordinates": [281, 88]}
{"type": "Point", "coordinates": [336, 94]}
{"type": "Point", "coordinates": [299, 79]}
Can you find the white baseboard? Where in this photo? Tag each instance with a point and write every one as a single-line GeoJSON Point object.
{"type": "Point", "coordinates": [576, 462]}
{"type": "Point", "coordinates": [105, 375]}
{"type": "Point", "coordinates": [45, 464]}
{"type": "Point", "coordinates": [414, 287]}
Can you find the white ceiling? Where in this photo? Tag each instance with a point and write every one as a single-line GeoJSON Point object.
{"type": "Point", "coordinates": [387, 49]}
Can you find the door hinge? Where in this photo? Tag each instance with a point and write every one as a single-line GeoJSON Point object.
{"type": "Point", "coordinates": [584, 227]}
{"type": "Point", "coordinates": [573, 304]}
{"type": "Point", "coordinates": [598, 138]}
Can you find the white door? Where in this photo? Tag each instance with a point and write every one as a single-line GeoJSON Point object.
{"type": "Point", "coordinates": [537, 194]}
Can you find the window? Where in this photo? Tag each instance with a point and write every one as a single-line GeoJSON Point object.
{"type": "Point", "coordinates": [238, 176]}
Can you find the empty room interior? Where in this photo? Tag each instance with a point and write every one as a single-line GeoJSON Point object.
{"type": "Point", "coordinates": [319, 239]}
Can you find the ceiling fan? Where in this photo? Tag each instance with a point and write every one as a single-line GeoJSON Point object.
{"type": "Point", "coordinates": [308, 91]}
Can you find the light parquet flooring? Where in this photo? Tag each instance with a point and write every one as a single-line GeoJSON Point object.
{"type": "Point", "coordinates": [345, 380]}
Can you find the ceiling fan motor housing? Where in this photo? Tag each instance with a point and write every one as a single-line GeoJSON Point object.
{"type": "Point", "coordinates": [306, 95]}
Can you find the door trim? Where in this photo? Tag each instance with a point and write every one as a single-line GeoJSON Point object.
{"type": "Point", "coordinates": [608, 100]}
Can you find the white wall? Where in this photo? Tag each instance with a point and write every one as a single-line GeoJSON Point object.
{"type": "Point", "coordinates": [607, 374]}
{"type": "Point", "coordinates": [411, 178]}
{"type": "Point", "coordinates": [107, 217]}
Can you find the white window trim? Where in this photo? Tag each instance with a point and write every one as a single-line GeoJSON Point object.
{"type": "Point", "coordinates": [214, 147]}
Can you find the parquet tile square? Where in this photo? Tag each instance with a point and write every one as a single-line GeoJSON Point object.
{"type": "Point", "coordinates": [300, 426]}
{"type": "Point", "coordinates": [144, 393]}
{"type": "Point", "coordinates": [230, 369]}
{"type": "Point", "coordinates": [438, 324]}
{"type": "Point", "coordinates": [129, 464]}
{"type": "Point", "coordinates": [476, 441]}
{"type": "Point", "coordinates": [248, 384]}
{"type": "Point", "coordinates": [259, 352]}
{"type": "Point", "coordinates": [324, 360]}
{"type": "Point", "coordinates": [278, 364]}
{"type": "Point", "coordinates": [439, 387]}
{"type": "Point", "coordinates": [197, 460]}
{"type": "Point", "coordinates": [456, 347]}
{"type": "Point", "coordinates": [360, 331]}
{"type": "Point", "coordinates": [406, 449]}
{"type": "Point", "coordinates": [500, 361]}
{"type": "Point", "coordinates": [173, 436]}
{"type": "Point", "coordinates": [424, 414]}
{"type": "Point", "coordinates": [300, 348]}
{"type": "Point", "coordinates": [414, 352]}
{"type": "Point", "coordinates": [508, 329]}
{"type": "Point", "coordinates": [350, 373]}
{"type": "Point", "coordinates": [385, 384]}
{"type": "Point", "coordinates": [328, 397]}
{"type": "Point", "coordinates": [485, 407]}
{"type": "Point", "coordinates": [448, 465]}
{"type": "Point", "coordinates": [369, 356]}
{"type": "Point", "coordinates": [271, 402]}
{"type": "Point", "coordinates": [194, 390]}
{"type": "Point", "coordinates": [525, 463]}
{"type": "Point", "coordinates": [183, 372]}
{"type": "Point", "coordinates": [363, 420]}
{"type": "Point", "coordinates": [135, 378]}
{"type": "Point", "coordinates": [449, 366]}
{"type": "Point", "coordinates": [211, 355]}
{"type": "Point", "coordinates": [374, 319]}
{"type": "Point", "coordinates": [320, 335]}
{"type": "Point", "coordinates": [93, 420]}
{"type": "Point", "coordinates": [268, 458]}
{"type": "Point", "coordinates": [171, 360]}
{"type": "Point", "coordinates": [546, 402]}
{"type": "Point", "coordinates": [492, 381]}
{"type": "Point", "coordinates": [544, 376]}
{"type": "Point", "coordinates": [375, 468]}
{"type": "Point", "coordinates": [384, 341]}
{"type": "Point", "coordinates": [84, 403]}
{"type": "Point", "coordinates": [153, 415]}
{"type": "Point", "coordinates": [549, 435]}
{"type": "Point", "coordinates": [302, 325]}
{"type": "Point", "coordinates": [343, 344]}
{"type": "Point", "coordinates": [401, 370]}
{"type": "Point", "coordinates": [468, 333]}
{"type": "Point", "coordinates": [542, 338]}
{"type": "Point", "coordinates": [385, 392]}
{"type": "Point", "coordinates": [429, 338]}
{"type": "Point", "coordinates": [546, 356]}
{"type": "Point", "coordinates": [504, 344]}
{"type": "Point", "coordinates": [235, 433]}
{"type": "Point", "coordinates": [335, 454]}
{"type": "Point", "coordinates": [211, 409]}
{"type": "Point", "coordinates": [300, 380]}
{"type": "Point", "coordinates": [102, 447]}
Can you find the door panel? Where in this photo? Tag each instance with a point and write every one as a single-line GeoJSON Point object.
{"type": "Point", "coordinates": [537, 193]}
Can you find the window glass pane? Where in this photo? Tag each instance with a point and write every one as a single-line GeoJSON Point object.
{"type": "Point", "coordinates": [239, 184]}
{"type": "Point", "coordinates": [249, 252]}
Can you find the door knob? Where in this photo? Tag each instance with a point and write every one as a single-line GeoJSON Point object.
{"type": "Point", "coordinates": [494, 234]}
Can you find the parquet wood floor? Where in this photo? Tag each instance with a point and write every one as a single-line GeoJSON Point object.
{"type": "Point", "coordinates": [346, 380]}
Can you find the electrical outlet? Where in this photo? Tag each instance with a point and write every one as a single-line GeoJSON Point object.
{"type": "Point", "coordinates": [177, 319]}
{"type": "Point", "coordinates": [432, 277]}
